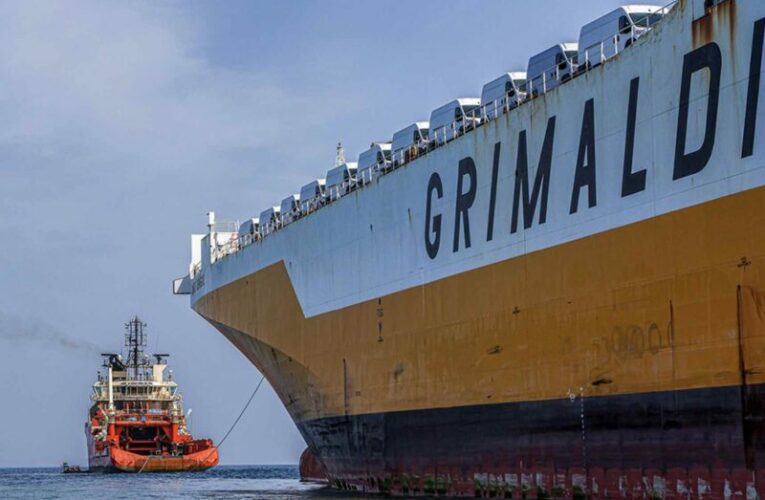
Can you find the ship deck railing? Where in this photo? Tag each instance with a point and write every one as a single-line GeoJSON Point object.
{"type": "Point", "coordinates": [134, 397]}
{"type": "Point", "coordinates": [596, 54]}
{"type": "Point", "coordinates": [471, 120]}
{"type": "Point", "coordinates": [139, 383]}
{"type": "Point", "coordinates": [135, 414]}
{"type": "Point", "coordinates": [139, 420]}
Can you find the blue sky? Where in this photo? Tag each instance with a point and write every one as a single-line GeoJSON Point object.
{"type": "Point", "coordinates": [123, 123]}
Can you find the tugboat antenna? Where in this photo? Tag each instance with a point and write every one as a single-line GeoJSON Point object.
{"type": "Point", "coordinates": [135, 341]}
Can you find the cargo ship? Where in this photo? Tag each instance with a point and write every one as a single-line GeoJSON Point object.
{"type": "Point", "coordinates": [555, 289]}
{"type": "Point", "coordinates": [136, 422]}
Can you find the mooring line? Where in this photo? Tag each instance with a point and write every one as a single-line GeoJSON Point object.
{"type": "Point", "coordinates": [216, 447]}
{"type": "Point", "coordinates": [257, 387]}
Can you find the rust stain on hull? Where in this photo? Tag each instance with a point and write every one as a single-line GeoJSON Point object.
{"type": "Point", "coordinates": [708, 28]}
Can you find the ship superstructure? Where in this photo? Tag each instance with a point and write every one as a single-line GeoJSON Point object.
{"type": "Point", "coordinates": [136, 422]}
{"type": "Point", "coordinates": [556, 292]}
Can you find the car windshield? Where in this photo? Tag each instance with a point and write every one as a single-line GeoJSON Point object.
{"type": "Point", "coordinates": [472, 111]}
{"type": "Point", "coordinates": [645, 19]}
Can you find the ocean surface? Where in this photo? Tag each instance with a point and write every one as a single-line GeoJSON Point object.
{"type": "Point", "coordinates": [236, 482]}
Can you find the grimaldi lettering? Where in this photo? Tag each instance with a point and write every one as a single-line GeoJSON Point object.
{"type": "Point", "coordinates": [541, 181]}
{"type": "Point", "coordinates": [465, 200]}
{"type": "Point", "coordinates": [531, 196]}
{"type": "Point", "coordinates": [434, 230]}
{"type": "Point", "coordinates": [493, 196]}
{"type": "Point", "coordinates": [632, 182]}
{"type": "Point", "coordinates": [753, 94]}
{"type": "Point", "coordinates": [585, 172]}
{"type": "Point", "coordinates": [706, 57]}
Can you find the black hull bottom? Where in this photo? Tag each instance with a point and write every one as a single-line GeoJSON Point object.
{"type": "Point", "coordinates": [701, 443]}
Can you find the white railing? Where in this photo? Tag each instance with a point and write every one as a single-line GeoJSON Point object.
{"type": "Point", "coordinates": [307, 207]}
{"type": "Point", "coordinates": [221, 250]}
{"type": "Point", "coordinates": [225, 226]}
{"type": "Point", "coordinates": [337, 191]}
{"type": "Point", "coordinates": [535, 86]}
{"type": "Point", "coordinates": [291, 216]}
{"type": "Point", "coordinates": [405, 155]}
{"type": "Point", "coordinates": [366, 176]}
{"type": "Point", "coordinates": [248, 239]}
{"type": "Point", "coordinates": [451, 131]}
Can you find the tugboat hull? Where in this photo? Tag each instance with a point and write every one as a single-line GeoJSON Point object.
{"type": "Point", "coordinates": [111, 460]}
{"type": "Point", "coordinates": [126, 461]}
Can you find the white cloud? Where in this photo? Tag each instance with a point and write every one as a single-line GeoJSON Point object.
{"type": "Point", "coordinates": [116, 81]}
{"type": "Point", "coordinates": [111, 120]}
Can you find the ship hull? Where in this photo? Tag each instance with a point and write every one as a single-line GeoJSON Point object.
{"type": "Point", "coordinates": [125, 461]}
{"type": "Point", "coordinates": [632, 371]}
{"type": "Point", "coordinates": [99, 459]}
{"type": "Point", "coordinates": [700, 441]}
{"type": "Point", "coordinates": [111, 460]}
{"type": "Point", "coordinates": [122, 461]}
{"type": "Point", "coordinates": [546, 331]}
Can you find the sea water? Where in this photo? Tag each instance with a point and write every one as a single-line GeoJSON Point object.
{"type": "Point", "coordinates": [236, 482]}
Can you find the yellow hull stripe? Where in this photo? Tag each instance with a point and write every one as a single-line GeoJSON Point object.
{"type": "Point", "coordinates": [673, 302]}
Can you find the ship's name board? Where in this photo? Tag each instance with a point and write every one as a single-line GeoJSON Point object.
{"type": "Point", "coordinates": [530, 195]}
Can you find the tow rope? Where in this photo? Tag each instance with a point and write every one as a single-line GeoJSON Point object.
{"type": "Point", "coordinates": [215, 448]}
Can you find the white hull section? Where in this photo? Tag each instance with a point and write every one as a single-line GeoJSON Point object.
{"type": "Point", "coordinates": [374, 241]}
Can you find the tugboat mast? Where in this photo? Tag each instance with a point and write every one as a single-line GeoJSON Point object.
{"type": "Point", "coordinates": [135, 342]}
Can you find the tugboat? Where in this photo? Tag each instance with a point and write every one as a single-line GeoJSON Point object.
{"type": "Point", "coordinates": [136, 422]}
